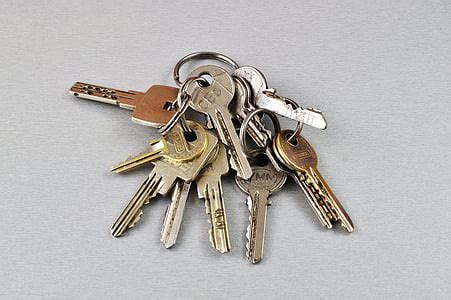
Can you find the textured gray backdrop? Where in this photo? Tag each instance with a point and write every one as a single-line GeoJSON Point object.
{"type": "Point", "coordinates": [380, 71]}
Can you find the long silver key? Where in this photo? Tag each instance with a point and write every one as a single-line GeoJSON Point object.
{"type": "Point", "coordinates": [268, 99]}
{"type": "Point", "coordinates": [209, 188]}
{"type": "Point", "coordinates": [264, 181]}
{"type": "Point", "coordinates": [161, 179]}
{"type": "Point", "coordinates": [213, 100]}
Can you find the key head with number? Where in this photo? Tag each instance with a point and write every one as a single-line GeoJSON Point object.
{"type": "Point", "coordinates": [218, 93]}
{"type": "Point", "coordinates": [297, 154]}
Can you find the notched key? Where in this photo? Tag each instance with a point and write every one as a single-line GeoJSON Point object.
{"type": "Point", "coordinates": [213, 100]}
{"type": "Point", "coordinates": [299, 156]}
{"type": "Point", "coordinates": [265, 181]}
{"type": "Point", "coordinates": [149, 108]}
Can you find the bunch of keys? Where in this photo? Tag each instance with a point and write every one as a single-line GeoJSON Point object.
{"type": "Point", "coordinates": [234, 102]}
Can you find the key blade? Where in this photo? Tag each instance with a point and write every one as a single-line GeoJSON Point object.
{"type": "Point", "coordinates": [174, 213]}
{"type": "Point", "coordinates": [156, 149]}
{"type": "Point", "coordinates": [337, 212]}
{"type": "Point", "coordinates": [133, 211]}
{"type": "Point", "coordinates": [209, 188]}
{"type": "Point", "coordinates": [226, 130]}
{"type": "Point", "coordinates": [215, 209]}
{"type": "Point", "coordinates": [124, 99]}
{"type": "Point", "coordinates": [257, 204]}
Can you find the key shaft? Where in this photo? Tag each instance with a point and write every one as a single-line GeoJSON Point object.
{"type": "Point", "coordinates": [174, 213]}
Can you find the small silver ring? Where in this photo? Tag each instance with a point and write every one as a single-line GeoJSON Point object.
{"type": "Point", "coordinates": [299, 125]}
{"type": "Point", "coordinates": [245, 124]}
{"type": "Point", "coordinates": [182, 104]}
{"type": "Point", "coordinates": [198, 56]}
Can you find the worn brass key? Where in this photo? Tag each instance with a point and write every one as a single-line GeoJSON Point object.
{"type": "Point", "coordinates": [173, 146]}
{"type": "Point", "coordinates": [148, 108]}
{"type": "Point", "coordinates": [299, 156]}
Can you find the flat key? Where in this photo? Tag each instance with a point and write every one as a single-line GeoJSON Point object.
{"type": "Point", "coordinates": [161, 180]}
{"type": "Point", "coordinates": [308, 116]}
{"type": "Point", "coordinates": [301, 158]}
{"type": "Point", "coordinates": [264, 181]}
{"type": "Point", "coordinates": [268, 99]}
{"type": "Point", "coordinates": [213, 100]}
{"type": "Point", "coordinates": [174, 213]}
{"type": "Point", "coordinates": [148, 108]}
{"type": "Point", "coordinates": [173, 146]}
{"type": "Point", "coordinates": [209, 188]}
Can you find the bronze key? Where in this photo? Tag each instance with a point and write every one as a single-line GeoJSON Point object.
{"type": "Point", "coordinates": [299, 156]}
{"type": "Point", "coordinates": [148, 108]}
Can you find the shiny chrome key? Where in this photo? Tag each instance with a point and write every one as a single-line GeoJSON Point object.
{"type": "Point", "coordinates": [268, 99]}
{"type": "Point", "coordinates": [301, 158]}
{"type": "Point", "coordinates": [209, 188]}
{"type": "Point", "coordinates": [148, 108]}
{"type": "Point", "coordinates": [161, 180]}
{"type": "Point", "coordinates": [264, 181]}
{"type": "Point", "coordinates": [213, 100]}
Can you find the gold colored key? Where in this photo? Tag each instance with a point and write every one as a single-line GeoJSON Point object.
{"type": "Point", "coordinates": [175, 146]}
{"type": "Point", "coordinates": [148, 108]}
{"type": "Point", "coordinates": [299, 156]}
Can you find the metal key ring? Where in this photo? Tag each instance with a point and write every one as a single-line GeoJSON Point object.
{"type": "Point", "coordinates": [299, 126]}
{"type": "Point", "coordinates": [245, 124]}
{"type": "Point", "coordinates": [198, 56]}
{"type": "Point", "coordinates": [182, 102]}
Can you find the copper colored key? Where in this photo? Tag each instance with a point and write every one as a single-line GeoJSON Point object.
{"type": "Point", "coordinates": [148, 108]}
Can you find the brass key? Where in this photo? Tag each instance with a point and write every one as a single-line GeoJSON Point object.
{"type": "Point", "coordinates": [148, 108]}
{"type": "Point", "coordinates": [299, 156]}
{"type": "Point", "coordinates": [173, 146]}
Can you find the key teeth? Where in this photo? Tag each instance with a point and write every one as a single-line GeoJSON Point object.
{"type": "Point", "coordinates": [207, 211]}
{"type": "Point", "coordinates": [137, 218]}
{"type": "Point", "coordinates": [248, 229]}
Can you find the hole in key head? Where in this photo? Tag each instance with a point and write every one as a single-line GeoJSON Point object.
{"type": "Point", "coordinates": [167, 106]}
{"type": "Point", "coordinates": [207, 80]}
{"type": "Point", "coordinates": [261, 160]}
{"type": "Point", "coordinates": [292, 142]}
{"type": "Point", "coordinates": [190, 136]}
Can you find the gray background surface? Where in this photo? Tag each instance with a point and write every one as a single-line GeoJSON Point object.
{"type": "Point", "coordinates": [380, 71]}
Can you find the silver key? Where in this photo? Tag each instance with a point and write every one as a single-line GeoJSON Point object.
{"type": "Point", "coordinates": [264, 181]}
{"type": "Point", "coordinates": [161, 179]}
{"type": "Point", "coordinates": [209, 188]}
{"type": "Point", "coordinates": [174, 213]}
{"type": "Point", "coordinates": [213, 100]}
{"type": "Point", "coordinates": [267, 98]}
